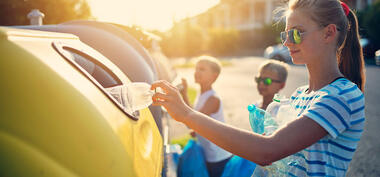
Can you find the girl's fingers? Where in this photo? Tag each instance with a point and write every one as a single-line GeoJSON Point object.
{"type": "Point", "coordinates": [164, 85]}
{"type": "Point", "coordinates": [159, 84]}
{"type": "Point", "coordinates": [159, 103]}
{"type": "Point", "coordinates": [160, 97]}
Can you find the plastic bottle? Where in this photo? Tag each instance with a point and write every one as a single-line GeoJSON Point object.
{"type": "Point", "coordinates": [139, 95]}
{"type": "Point", "coordinates": [272, 108]}
{"type": "Point", "coordinates": [282, 109]}
{"type": "Point", "coordinates": [261, 121]}
{"type": "Point", "coordinates": [267, 122]}
{"type": "Point", "coordinates": [286, 113]}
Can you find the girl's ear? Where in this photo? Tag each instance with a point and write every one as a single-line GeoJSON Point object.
{"type": "Point", "coordinates": [330, 33]}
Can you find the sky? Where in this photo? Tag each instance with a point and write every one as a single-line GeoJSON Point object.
{"type": "Point", "coordinates": [148, 14]}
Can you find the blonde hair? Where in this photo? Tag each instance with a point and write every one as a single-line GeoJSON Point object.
{"type": "Point", "coordinates": [279, 67]}
{"type": "Point", "coordinates": [212, 62]}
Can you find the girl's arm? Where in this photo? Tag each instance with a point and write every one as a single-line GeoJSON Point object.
{"type": "Point", "coordinates": [260, 149]}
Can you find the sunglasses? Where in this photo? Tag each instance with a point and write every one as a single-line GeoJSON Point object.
{"type": "Point", "coordinates": [293, 36]}
{"type": "Point", "coordinates": [266, 80]}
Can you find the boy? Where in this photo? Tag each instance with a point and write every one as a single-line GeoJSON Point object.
{"type": "Point", "coordinates": [207, 70]}
{"type": "Point", "coordinates": [271, 79]}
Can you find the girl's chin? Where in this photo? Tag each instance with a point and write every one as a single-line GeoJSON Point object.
{"type": "Point", "coordinates": [297, 61]}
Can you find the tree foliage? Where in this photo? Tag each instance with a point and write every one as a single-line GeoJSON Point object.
{"type": "Point", "coordinates": [223, 41]}
{"type": "Point", "coordinates": [371, 22]}
{"type": "Point", "coordinates": [14, 12]}
{"type": "Point", "coordinates": [138, 33]}
{"type": "Point", "coordinates": [187, 40]}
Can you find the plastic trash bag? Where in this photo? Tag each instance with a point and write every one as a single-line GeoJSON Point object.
{"type": "Point", "coordinates": [192, 162]}
{"type": "Point", "coordinates": [238, 167]}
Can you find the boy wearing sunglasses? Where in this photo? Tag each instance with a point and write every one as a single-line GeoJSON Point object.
{"type": "Point", "coordinates": [270, 80]}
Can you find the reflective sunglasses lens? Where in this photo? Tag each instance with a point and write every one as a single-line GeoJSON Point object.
{"type": "Point", "coordinates": [267, 81]}
{"type": "Point", "coordinates": [290, 36]}
{"type": "Point", "coordinates": [296, 36]}
{"type": "Point", "coordinates": [293, 35]}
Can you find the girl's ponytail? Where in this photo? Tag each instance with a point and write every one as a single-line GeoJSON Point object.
{"type": "Point", "coordinates": [350, 54]}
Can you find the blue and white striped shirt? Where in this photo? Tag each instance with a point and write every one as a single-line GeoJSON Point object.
{"type": "Point", "coordinates": [338, 108]}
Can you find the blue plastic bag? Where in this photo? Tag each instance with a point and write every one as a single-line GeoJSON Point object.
{"type": "Point", "coordinates": [238, 167]}
{"type": "Point", "coordinates": [192, 162]}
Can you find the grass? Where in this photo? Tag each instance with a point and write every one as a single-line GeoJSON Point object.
{"type": "Point", "coordinates": [192, 94]}
{"type": "Point", "coordinates": [181, 140]}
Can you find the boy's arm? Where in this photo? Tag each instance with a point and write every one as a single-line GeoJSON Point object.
{"type": "Point", "coordinates": [211, 106]}
{"type": "Point", "coordinates": [185, 97]}
{"type": "Point", "coordinates": [183, 92]}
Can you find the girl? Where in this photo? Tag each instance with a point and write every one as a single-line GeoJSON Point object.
{"type": "Point", "coordinates": [323, 35]}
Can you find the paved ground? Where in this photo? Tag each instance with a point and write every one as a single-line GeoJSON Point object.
{"type": "Point", "coordinates": [237, 90]}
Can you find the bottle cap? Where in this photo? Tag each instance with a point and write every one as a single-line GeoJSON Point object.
{"type": "Point", "coordinates": [251, 107]}
{"type": "Point", "coordinates": [278, 98]}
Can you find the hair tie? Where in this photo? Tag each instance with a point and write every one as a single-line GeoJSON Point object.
{"type": "Point", "coordinates": [345, 7]}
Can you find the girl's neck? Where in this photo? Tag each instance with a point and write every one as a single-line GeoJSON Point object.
{"type": "Point", "coordinates": [323, 72]}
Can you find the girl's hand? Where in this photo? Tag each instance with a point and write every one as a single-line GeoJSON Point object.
{"type": "Point", "coordinates": [171, 100]}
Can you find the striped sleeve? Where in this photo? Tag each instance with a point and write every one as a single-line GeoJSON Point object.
{"type": "Point", "coordinates": [332, 112]}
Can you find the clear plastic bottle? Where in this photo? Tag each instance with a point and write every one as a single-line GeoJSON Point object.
{"type": "Point", "coordinates": [282, 110]}
{"type": "Point", "coordinates": [272, 108]}
{"type": "Point", "coordinates": [286, 113]}
{"type": "Point", "coordinates": [278, 113]}
{"type": "Point", "coordinates": [261, 122]}
{"type": "Point", "coordinates": [139, 95]}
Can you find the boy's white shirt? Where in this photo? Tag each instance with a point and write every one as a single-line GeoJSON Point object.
{"type": "Point", "coordinates": [212, 152]}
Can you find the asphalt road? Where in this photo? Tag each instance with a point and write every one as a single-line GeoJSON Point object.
{"type": "Point", "coordinates": [237, 89]}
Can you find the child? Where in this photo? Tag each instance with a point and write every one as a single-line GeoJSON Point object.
{"type": "Point", "coordinates": [271, 79]}
{"type": "Point", "coordinates": [323, 35]}
{"type": "Point", "coordinates": [207, 70]}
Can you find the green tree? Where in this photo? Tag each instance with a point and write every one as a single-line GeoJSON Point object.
{"type": "Point", "coordinates": [223, 41]}
{"type": "Point", "coordinates": [261, 38]}
{"type": "Point", "coordinates": [371, 22]}
{"type": "Point", "coordinates": [194, 40]}
{"type": "Point", "coordinates": [138, 33]}
{"type": "Point", "coordinates": [183, 40]}
{"type": "Point", "coordinates": [14, 12]}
